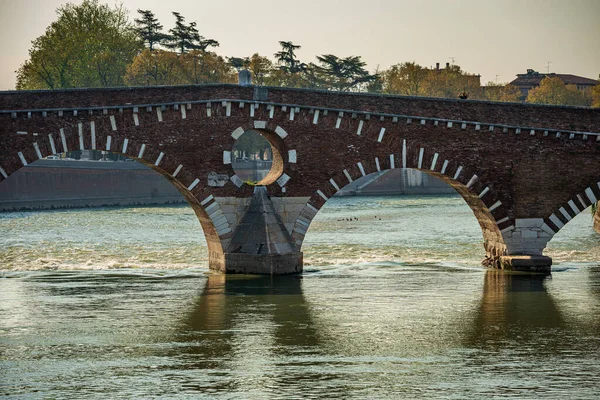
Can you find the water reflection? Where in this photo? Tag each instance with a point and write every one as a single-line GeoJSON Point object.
{"type": "Point", "coordinates": [239, 323]}
{"type": "Point", "coordinates": [515, 307]}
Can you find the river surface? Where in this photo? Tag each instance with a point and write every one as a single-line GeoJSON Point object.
{"type": "Point", "coordinates": [118, 303]}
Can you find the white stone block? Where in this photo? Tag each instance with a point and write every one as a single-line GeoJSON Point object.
{"type": "Point", "coordinates": [360, 126]}
{"type": "Point", "coordinates": [292, 156]}
{"type": "Point", "coordinates": [237, 181]}
{"type": "Point", "coordinates": [206, 200]}
{"type": "Point", "coordinates": [322, 195]}
{"type": "Point", "coordinates": [348, 175]}
{"type": "Point", "coordinates": [283, 179]}
{"type": "Point", "coordinates": [529, 234]}
{"type": "Point", "coordinates": [281, 132]}
{"type": "Point", "coordinates": [590, 194]}
{"type": "Point", "coordinates": [565, 213]}
{"type": "Point", "coordinates": [334, 184]}
{"type": "Point", "coordinates": [226, 157]}
{"type": "Point", "coordinates": [547, 229]}
{"type": "Point", "coordinates": [529, 222]}
{"type": "Point", "coordinates": [193, 184]}
{"type": "Point", "coordinates": [237, 133]}
{"type": "Point", "coordinates": [22, 157]}
{"type": "Point", "coordinates": [361, 168]}
{"type": "Point", "coordinates": [500, 221]}
{"type": "Point", "coordinates": [435, 158]}
{"type": "Point", "coordinates": [37, 150]}
{"type": "Point", "coordinates": [556, 221]}
{"type": "Point", "coordinates": [574, 207]}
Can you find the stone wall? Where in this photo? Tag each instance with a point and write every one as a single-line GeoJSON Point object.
{"type": "Point", "coordinates": [50, 184]}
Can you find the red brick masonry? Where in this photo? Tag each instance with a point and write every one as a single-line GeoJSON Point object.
{"type": "Point", "coordinates": [521, 168]}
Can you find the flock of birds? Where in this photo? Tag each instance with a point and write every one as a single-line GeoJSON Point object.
{"type": "Point", "coordinates": [355, 219]}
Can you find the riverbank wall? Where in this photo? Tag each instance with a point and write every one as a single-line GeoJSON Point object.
{"type": "Point", "coordinates": [54, 184]}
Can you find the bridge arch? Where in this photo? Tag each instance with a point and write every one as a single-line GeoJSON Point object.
{"type": "Point", "coordinates": [565, 212]}
{"type": "Point", "coordinates": [479, 196]}
{"type": "Point", "coordinates": [509, 153]}
{"type": "Point", "coordinates": [73, 137]}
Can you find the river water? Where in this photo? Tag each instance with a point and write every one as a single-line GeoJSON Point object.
{"type": "Point", "coordinates": [118, 303]}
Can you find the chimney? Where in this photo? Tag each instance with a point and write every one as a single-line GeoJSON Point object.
{"type": "Point", "coordinates": [437, 66]}
{"type": "Point", "coordinates": [244, 78]}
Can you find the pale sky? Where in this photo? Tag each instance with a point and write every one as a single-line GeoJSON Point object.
{"type": "Point", "coordinates": [487, 37]}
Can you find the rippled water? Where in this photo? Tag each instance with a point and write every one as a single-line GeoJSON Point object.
{"type": "Point", "coordinates": [117, 303]}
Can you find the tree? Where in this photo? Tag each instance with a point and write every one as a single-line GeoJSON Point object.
{"type": "Point", "coordinates": [501, 92]}
{"type": "Point", "coordinates": [596, 94]}
{"type": "Point", "coordinates": [262, 70]}
{"type": "Point", "coordinates": [186, 37]}
{"type": "Point", "coordinates": [450, 82]}
{"type": "Point", "coordinates": [343, 74]}
{"type": "Point", "coordinates": [89, 45]}
{"type": "Point", "coordinates": [149, 29]}
{"type": "Point", "coordinates": [154, 67]}
{"type": "Point", "coordinates": [554, 91]}
{"type": "Point", "coordinates": [406, 78]}
{"type": "Point", "coordinates": [199, 66]}
{"type": "Point", "coordinates": [239, 63]}
{"type": "Point", "coordinates": [287, 60]}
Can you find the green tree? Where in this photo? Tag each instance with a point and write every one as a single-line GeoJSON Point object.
{"type": "Point", "coordinates": [450, 82]}
{"type": "Point", "coordinates": [554, 91]}
{"type": "Point", "coordinates": [199, 67]}
{"type": "Point", "coordinates": [595, 94]}
{"type": "Point", "coordinates": [239, 63]}
{"type": "Point", "coordinates": [154, 67]}
{"type": "Point", "coordinates": [149, 29]}
{"type": "Point", "coordinates": [406, 78]}
{"type": "Point", "coordinates": [262, 70]}
{"type": "Point", "coordinates": [501, 92]}
{"type": "Point", "coordinates": [186, 37]}
{"type": "Point", "coordinates": [287, 59]}
{"type": "Point", "coordinates": [343, 74]}
{"type": "Point", "coordinates": [89, 45]}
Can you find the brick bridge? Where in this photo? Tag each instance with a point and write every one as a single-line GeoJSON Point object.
{"type": "Point", "coordinates": [524, 170]}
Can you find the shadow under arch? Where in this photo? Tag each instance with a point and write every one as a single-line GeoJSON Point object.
{"type": "Point", "coordinates": [481, 198]}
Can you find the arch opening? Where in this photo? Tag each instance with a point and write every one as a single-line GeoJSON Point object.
{"type": "Point", "coordinates": [139, 171]}
{"type": "Point", "coordinates": [257, 157]}
{"type": "Point", "coordinates": [453, 189]}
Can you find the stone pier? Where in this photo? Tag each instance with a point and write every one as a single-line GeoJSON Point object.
{"type": "Point", "coordinates": [261, 242]}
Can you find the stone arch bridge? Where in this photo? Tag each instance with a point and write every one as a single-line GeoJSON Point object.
{"type": "Point", "coordinates": [524, 170]}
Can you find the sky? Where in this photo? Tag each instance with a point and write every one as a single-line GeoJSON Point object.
{"type": "Point", "coordinates": [494, 38]}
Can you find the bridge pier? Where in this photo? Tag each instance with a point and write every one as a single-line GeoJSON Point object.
{"type": "Point", "coordinates": [524, 245]}
{"type": "Point", "coordinates": [261, 242]}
